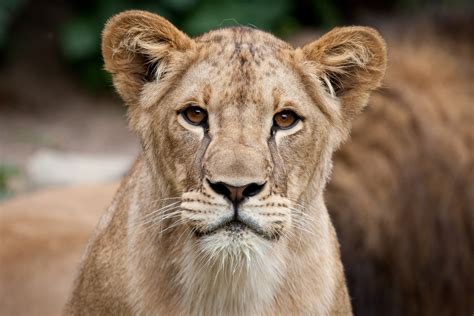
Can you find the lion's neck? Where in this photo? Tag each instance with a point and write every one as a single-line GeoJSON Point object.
{"type": "Point", "coordinates": [231, 283]}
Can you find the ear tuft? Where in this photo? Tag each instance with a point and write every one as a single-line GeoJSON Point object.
{"type": "Point", "coordinates": [351, 62]}
{"type": "Point", "coordinates": [137, 48]}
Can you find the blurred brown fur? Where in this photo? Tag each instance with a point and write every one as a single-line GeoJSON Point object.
{"type": "Point", "coordinates": [402, 191]}
{"type": "Point", "coordinates": [42, 237]}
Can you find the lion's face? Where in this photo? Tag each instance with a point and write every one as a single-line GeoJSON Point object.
{"type": "Point", "coordinates": [242, 136]}
{"type": "Point", "coordinates": [238, 124]}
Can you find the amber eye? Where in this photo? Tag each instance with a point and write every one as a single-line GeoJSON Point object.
{"type": "Point", "coordinates": [285, 119]}
{"type": "Point", "coordinates": [195, 115]}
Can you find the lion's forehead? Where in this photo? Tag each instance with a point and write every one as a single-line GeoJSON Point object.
{"type": "Point", "coordinates": [242, 54]}
{"type": "Point", "coordinates": [242, 35]}
{"type": "Point", "coordinates": [241, 70]}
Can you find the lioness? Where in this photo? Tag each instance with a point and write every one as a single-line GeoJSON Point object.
{"type": "Point", "coordinates": [223, 211]}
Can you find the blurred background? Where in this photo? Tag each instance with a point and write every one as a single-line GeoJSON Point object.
{"type": "Point", "coordinates": [60, 121]}
{"type": "Point", "coordinates": [402, 192]}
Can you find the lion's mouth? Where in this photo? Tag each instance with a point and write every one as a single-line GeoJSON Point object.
{"type": "Point", "coordinates": [236, 226]}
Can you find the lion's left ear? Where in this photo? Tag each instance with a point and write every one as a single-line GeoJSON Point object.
{"type": "Point", "coordinates": [350, 63]}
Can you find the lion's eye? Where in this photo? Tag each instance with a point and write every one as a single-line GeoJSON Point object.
{"type": "Point", "coordinates": [285, 119]}
{"type": "Point", "coordinates": [195, 115]}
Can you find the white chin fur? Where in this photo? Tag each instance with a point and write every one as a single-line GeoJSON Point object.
{"type": "Point", "coordinates": [222, 273]}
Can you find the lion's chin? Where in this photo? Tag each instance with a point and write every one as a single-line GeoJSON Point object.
{"type": "Point", "coordinates": [234, 240]}
{"type": "Point", "coordinates": [236, 230]}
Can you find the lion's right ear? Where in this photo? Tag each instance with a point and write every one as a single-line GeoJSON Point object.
{"type": "Point", "coordinates": [140, 47]}
{"type": "Point", "coordinates": [350, 62]}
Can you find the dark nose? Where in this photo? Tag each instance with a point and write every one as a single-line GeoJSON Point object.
{"type": "Point", "coordinates": [236, 194]}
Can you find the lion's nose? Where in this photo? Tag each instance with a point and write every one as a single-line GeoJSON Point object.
{"type": "Point", "coordinates": [236, 194]}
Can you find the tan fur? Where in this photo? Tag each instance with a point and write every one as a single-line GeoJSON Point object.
{"type": "Point", "coordinates": [153, 252]}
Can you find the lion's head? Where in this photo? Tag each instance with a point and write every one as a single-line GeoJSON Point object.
{"type": "Point", "coordinates": [239, 125]}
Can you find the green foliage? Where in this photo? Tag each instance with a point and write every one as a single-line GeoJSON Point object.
{"type": "Point", "coordinates": [79, 39]}
{"type": "Point", "coordinates": [6, 172]}
{"type": "Point", "coordinates": [264, 14]}
{"type": "Point", "coordinates": [326, 12]}
{"type": "Point", "coordinates": [8, 9]}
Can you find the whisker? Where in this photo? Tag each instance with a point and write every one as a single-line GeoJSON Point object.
{"type": "Point", "coordinates": [167, 199]}
{"type": "Point", "coordinates": [160, 209]}
{"type": "Point", "coordinates": [302, 221]}
{"type": "Point", "coordinates": [175, 224]}
{"type": "Point", "coordinates": [304, 205]}
{"type": "Point", "coordinates": [158, 218]}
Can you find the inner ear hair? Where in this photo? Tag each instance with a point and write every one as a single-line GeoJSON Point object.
{"type": "Point", "coordinates": [331, 85]}
{"type": "Point", "coordinates": [155, 69]}
{"type": "Point", "coordinates": [151, 59]}
{"type": "Point", "coordinates": [150, 73]}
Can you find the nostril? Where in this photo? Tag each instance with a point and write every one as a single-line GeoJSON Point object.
{"type": "Point", "coordinates": [253, 189]}
{"type": "Point", "coordinates": [236, 194]}
{"type": "Point", "coordinates": [220, 188]}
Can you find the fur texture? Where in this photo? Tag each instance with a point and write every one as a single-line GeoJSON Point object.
{"type": "Point", "coordinates": [168, 245]}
